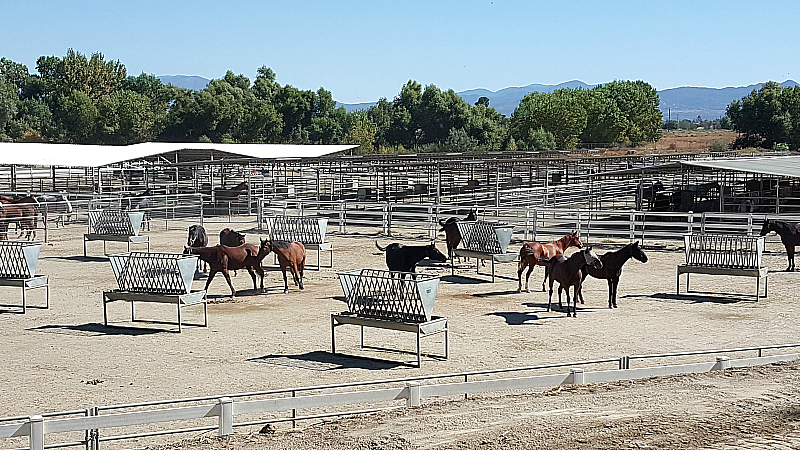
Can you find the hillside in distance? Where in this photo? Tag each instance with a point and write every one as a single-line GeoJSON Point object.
{"type": "Point", "coordinates": [679, 103]}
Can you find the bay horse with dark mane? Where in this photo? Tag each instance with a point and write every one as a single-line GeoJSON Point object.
{"type": "Point", "coordinates": [531, 252]}
{"type": "Point", "coordinates": [569, 273]}
{"type": "Point", "coordinates": [789, 233]}
{"type": "Point", "coordinates": [612, 268]}
{"type": "Point", "coordinates": [223, 259]}
{"type": "Point", "coordinates": [292, 256]}
{"type": "Point", "coordinates": [451, 234]}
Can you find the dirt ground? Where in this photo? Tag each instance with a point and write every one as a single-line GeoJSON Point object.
{"type": "Point", "coordinates": [63, 358]}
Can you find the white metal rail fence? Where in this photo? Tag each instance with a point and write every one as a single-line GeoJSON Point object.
{"type": "Point", "coordinates": [220, 413]}
{"type": "Point", "coordinates": [531, 223]}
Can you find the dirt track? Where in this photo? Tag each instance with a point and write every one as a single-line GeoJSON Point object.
{"type": "Point", "coordinates": [753, 408]}
{"type": "Point", "coordinates": [63, 358]}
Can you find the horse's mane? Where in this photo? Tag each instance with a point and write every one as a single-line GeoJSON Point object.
{"type": "Point", "coordinates": [280, 244]}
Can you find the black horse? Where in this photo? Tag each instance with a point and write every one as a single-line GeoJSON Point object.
{"type": "Point", "coordinates": [452, 235]}
{"type": "Point", "coordinates": [789, 233]}
{"type": "Point", "coordinates": [612, 268]}
{"type": "Point", "coordinates": [404, 258]}
{"type": "Point", "coordinates": [198, 238]}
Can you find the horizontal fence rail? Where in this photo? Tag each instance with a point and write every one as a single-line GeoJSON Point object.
{"type": "Point", "coordinates": [530, 223]}
{"type": "Point", "coordinates": [371, 396]}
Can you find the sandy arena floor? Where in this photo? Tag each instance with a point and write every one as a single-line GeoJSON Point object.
{"type": "Point", "coordinates": [64, 358]}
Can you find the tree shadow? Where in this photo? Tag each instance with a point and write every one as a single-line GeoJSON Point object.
{"type": "Point", "coordinates": [322, 361]}
{"type": "Point", "coordinates": [518, 318]}
{"type": "Point", "coordinates": [98, 329]}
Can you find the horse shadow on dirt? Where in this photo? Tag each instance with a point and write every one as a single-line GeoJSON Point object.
{"type": "Point", "coordinates": [700, 297]}
{"type": "Point", "coordinates": [79, 258]}
{"type": "Point", "coordinates": [98, 329]}
{"type": "Point", "coordinates": [495, 293]}
{"type": "Point", "coordinates": [461, 279]}
{"type": "Point", "coordinates": [518, 318]}
{"type": "Point", "coordinates": [323, 361]}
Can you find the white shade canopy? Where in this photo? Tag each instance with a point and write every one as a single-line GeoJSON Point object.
{"type": "Point", "coordinates": [77, 155]}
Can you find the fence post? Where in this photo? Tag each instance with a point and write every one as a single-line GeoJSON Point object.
{"type": "Point", "coordinates": [723, 362]}
{"type": "Point", "coordinates": [527, 222]}
{"type": "Point", "coordinates": [690, 221]}
{"type": "Point", "coordinates": [259, 211]}
{"type": "Point", "coordinates": [702, 223]}
{"type": "Point", "coordinates": [44, 220]}
{"type": "Point", "coordinates": [431, 227]}
{"type": "Point", "coordinates": [341, 217]}
{"type": "Point", "coordinates": [37, 432]}
{"type": "Point", "coordinates": [632, 232]}
{"type": "Point", "coordinates": [201, 209]}
{"type": "Point", "coordinates": [750, 223]}
{"type": "Point", "coordinates": [387, 224]}
{"type": "Point", "coordinates": [225, 416]}
{"type": "Point", "coordinates": [577, 376]}
{"type": "Point", "coordinates": [413, 399]}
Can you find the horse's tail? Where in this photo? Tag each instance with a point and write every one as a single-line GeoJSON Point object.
{"type": "Point", "coordinates": [524, 252]}
{"type": "Point", "coordinates": [379, 247]}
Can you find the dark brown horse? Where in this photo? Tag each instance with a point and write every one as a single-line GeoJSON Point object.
{"type": "Point", "coordinates": [789, 233]}
{"type": "Point", "coordinates": [451, 233]}
{"type": "Point", "coordinates": [292, 256]}
{"type": "Point", "coordinates": [531, 252]}
{"type": "Point", "coordinates": [232, 194]}
{"type": "Point", "coordinates": [223, 259]}
{"type": "Point", "coordinates": [612, 268]}
{"type": "Point", "coordinates": [569, 272]}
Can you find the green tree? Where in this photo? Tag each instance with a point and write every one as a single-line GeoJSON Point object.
{"type": "Point", "coordinates": [560, 114]}
{"type": "Point", "coordinates": [767, 116]}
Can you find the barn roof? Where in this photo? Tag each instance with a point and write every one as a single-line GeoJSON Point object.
{"type": "Point", "coordinates": [783, 166]}
{"type": "Point", "coordinates": [77, 155]}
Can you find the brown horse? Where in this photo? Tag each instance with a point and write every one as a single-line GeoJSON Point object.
{"type": "Point", "coordinates": [531, 252]}
{"type": "Point", "coordinates": [451, 233]}
{"type": "Point", "coordinates": [569, 273]}
{"type": "Point", "coordinates": [789, 233]}
{"type": "Point", "coordinates": [291, 255]}
{"type": "Point", "coordinates": [222, 259]}
{"type": "Point", "coordinates": [232, 194]}
{"type": "Point", "coordinates": [23, 210]}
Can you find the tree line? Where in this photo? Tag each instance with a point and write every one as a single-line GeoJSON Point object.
{"type": "Point", "coordinates": [769, 117]}
{"type": "Point", "coordinates": [80, 99]}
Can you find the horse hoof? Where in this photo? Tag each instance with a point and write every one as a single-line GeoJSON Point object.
{"type": "Point", "coordinates": [615, 305]}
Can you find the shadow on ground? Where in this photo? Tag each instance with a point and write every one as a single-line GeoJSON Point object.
{"type": "Point", "coordinates": [98, 329]}
{"type": "Point", "coordinates": [319, 360]}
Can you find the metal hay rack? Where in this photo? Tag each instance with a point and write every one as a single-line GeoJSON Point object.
{"type": "Point", "coordinates": [18, 261]}
{"type": "Point", "coordinates": [155, 277]}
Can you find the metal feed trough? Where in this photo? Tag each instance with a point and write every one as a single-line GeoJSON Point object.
{"type": "Point", "coordinates": [721, 254]}
{"type": "Point", "coordinates": [18, 260]}
{"type": "Point", "coordinates": [398, 301]}
{"type": "Point", "coordinates": [115, 225]}
{"type": "Point", "coordinates": [308, 231]}
{"type": "Point", "coordinates": [155, 277]}
{"type": "Point", "coordinates": [484, 240]}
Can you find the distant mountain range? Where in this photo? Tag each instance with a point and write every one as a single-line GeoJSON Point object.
{"type": "Point", "coordinates": [676, 103]}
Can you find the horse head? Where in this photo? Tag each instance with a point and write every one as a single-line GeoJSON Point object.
{"type": "Point", "coordinates": [471, 217]}
{"type": "Point", "coordinates": [572, 239]}
{"type": "Point", "coordinates": [591, 258]}
{"type": "Point", "coordinates": [433, 253]}
{"type": "Point", "coordinates": [637, 253]}
{"type": "Point", "coordinates": [767, 226]}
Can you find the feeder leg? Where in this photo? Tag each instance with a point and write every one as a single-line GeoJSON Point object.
{"type": "Point", "coordinates": [132, 318]}
{"type": "Point", "coordinates": [47, 295]}
{"type": "Point", "coordinates": [419, 354]}
{"type": "Point", "coordinates": [333, 335]}
{"type": "Point", "coordinates": [84, 246]}
{"type": "Point", "coordinates": [179, 316]}
{"type": "Point", "coordinates": [105, 312]}
{"type": "Point", "coordinates": [205, 314]}
{"type": "Point", "coordinates": [492, 269]}
{"type": "Point", "coordinates": [24, 305]}
{"type": "Point", "coordinates": [319, 259]}
{"type": "Point", "coordinates": [362, 336]}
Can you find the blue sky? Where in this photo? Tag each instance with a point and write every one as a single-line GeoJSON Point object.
{"type": "Point", "coordinates": [363, 50]}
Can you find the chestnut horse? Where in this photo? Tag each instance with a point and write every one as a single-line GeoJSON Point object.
{"type": "Point", "coordinates": [531, 252]}
{"type": "Point", "coordinates": [23, 211]}
{"type": "Point", "coordinates": [222, 259]}
{"type": "Point", "coordinates": [569, 272]}
{"type": "Point", "coordinates": [291, 255]}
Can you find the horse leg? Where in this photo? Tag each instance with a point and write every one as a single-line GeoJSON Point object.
{"type": "Point", "coordinates": [210, 277]}
{"type": "Point", "coordinates": [610, 292]}
{"type": "Point", "coordinates": [615, 284]}
{"type": "Point", "coordinates": [285, 281]}
{"type": "Point", "coordinates": [550, 297]}
{"type": "Point", "coordinates": [260, 271]}
{"type": "Point", "coordinates": [228, 279]}
{"type": "Point", "coordinates": [790, 256]}
{"type": "Point", "coordinates": [528, 276]}
{"type": "Point", "coordinates": [300, 268]}
{"type": "Point", "coordinates": [546, 273]}
{"type": "Point", "coordinates": [521, 268]}
{"type": "Point", "coordinates": [252, 275]}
